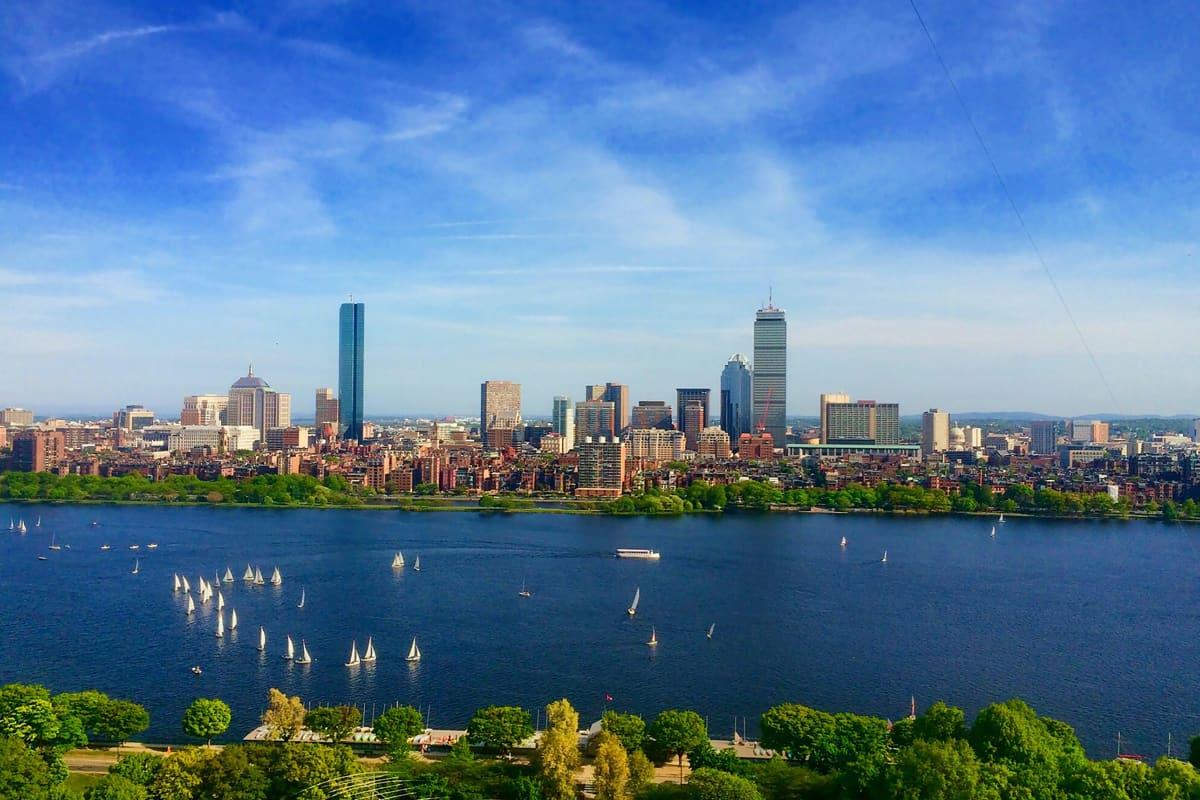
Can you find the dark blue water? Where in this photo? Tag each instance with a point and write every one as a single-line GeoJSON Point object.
{"type": "Point", "coordinates": [1092, 622]}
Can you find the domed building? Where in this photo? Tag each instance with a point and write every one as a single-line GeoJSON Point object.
{"type": "Point", "coordinates": [253, 403]}
{"type": "Point", "coordinates": [958, 439]}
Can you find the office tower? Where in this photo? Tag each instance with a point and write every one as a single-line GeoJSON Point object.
{"type": "Point", "coordinates": [562, 418]}
{"type": "Point", "coordinates": [737, 386]}
{"type": "Point", "coordinates": [593, 419]}
{"type": "Point", "coordinates": [651, 414]}
{"type": "Point", "coordinates": [328, 412]}
{"type": "Point", "coordinates": [770, 373]}
{"type": "Point", "coordinates": [1090, 431]}
{"type": "Point", "coordinates": [1043, 437]}
{"type": "Point", "coordinates": [615, 393]}
{"type": "Point", "coordinates": [860, 422]}
{"type": "Point", "coordinates": [826, 399]}
{"type": "Point", "coordinates": [37, 451]}
{"type": "Point", "coordinates": [691, 422]}
{"type": "Point", "coordinates": [499, 406]}
{"type": "Point", "coordinates": [203, 409]}
{"type": "Point", "coordinates": [935, 431]}
{"type": "Point", "coordinates": [712, 443]}
{"type": "Point", "coordinates": [601, 466]}
{"type": "Point", "coordinates": [133, 418]}
{"type": "Point", "coordinates": [16, 417]}
{"type": "Point", "coordinates": [253, 403]}
{"type": "Point", "coordinates": [351, 322]}
{"type": "Point", "coordinates": [593, 391]}
{"type": "Point", "coordinates": [654, 444]}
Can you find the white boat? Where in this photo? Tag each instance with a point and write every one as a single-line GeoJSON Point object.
{"type": "Point", "coordinates": [637, 598]}
{"type": "Point", "coordinates": [197, 671]}
{"type": "Point", "coordinates": [191, 607]}
{"type": "Point", "coordinates": [711, 628]}
{"type": "Point", "coordinates": [993, 531]}
{"type": "Point", "coordinates": [233, 619]}
{"type": "Point", "coordinates": [220, 600]}
{"type": "Point", "coordinates": [262, 638]}
{"type": "Point", "coordinates": [187, 587]}
{"type": "Point", "coordinates": [228, 575]}
{"type": "Point", "coordinates": [637, 552]}
{"type": "Point", "coordinates": [843, 541]}
{"type": "Point", "coordinates": [220, 625]}
{"type": "Point", "coordinates": [216, 577]}
{"type": "Point", "coordinates": [524, 592]}
{"type": "Point", "coordinates": [414, 652]}
{"type": "Point", "coordinates": [290, 655]}
{"type": "Point", "coordinates": [258, 578]}
{"type": "Point", "coordinates": [884, 559]}
{"type": "Point", "coordinates": [369, 654]}
{"type": "Point", "coordinates": [134, 546]}
{"type": "Point", "coordinates": [398, 561]}
{"type": "Point", "coordinates": [1001, 518]}
{"type": "Point", "coordinates": [152, 546]}
{"type": "Point", "coordinates": [653, 638]}
{"type": "Point", "coordinates": [54, 546]}
{"type": "Point", "coordinates": [21, 527]}
{"type": "Point", "coordinates": [248, 575]}
{"type": "Point", "coordinates": [304, 658]}
{"type": "Point", "coordinates": [38, 524]}
{"type": "Point", "coordinates": [276, 578]}
{"type": "Point", "coordinates": [301, 603]}
{"type": "Point", "coordinates": [354, 659]}
{"type": "Point", "coordinates": [177, 584]}
{"type": "Point", "coordinates": [136, 567]}
{"type": "Point", "coordinates": [417, 564]}
{"type": "Point", "coordinates": [106, 547]}
{"type": "Point", "coordinates": [42, 558]}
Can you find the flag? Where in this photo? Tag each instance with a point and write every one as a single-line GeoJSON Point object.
{"type": "Point", "coordinates": [608, 698]}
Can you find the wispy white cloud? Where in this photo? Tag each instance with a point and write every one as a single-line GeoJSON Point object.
{"type": "Point", "coordinates": [85, 46]}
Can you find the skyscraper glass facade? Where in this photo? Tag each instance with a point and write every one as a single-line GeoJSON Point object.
{"type": "Point", "coordinates": [770, 373]}
{"type": "Point", "coordinates": [350, 371]}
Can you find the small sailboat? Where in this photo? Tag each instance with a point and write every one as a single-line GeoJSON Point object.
{"type": "Point", "coordinates": [304, 658]}
{"type": "Point", "coordinates": [1002, 518]}
{"type": "Point", "coordinates": [152, 546]}
{"type": "Point", "coordinates": [301, 603]}
{"type": "Point", "coordinates": [135, 547]}
{"type": "Point", "coordinates": [417, 564]}
{"type": "Point", "coordinates": [136, 567]}
{"type": "Point", "coordinates": [178, 586]}
{"type": "Point", "coordinates": [220, 600]}
{"type": "Point", "coordinates": [11, 525]}
{"type": "Point", "coordinates": [187, 587]}
{"type": "Point", "coordinates": [191, 606]}
{"type": "Point", "coordinates": [106, 547]}
{"type": "Point", "coordinates": [228, 575]}
{"type": "Point", "coordinates": [354, 659]}
{"type": "Point", "coordinates": [993, 531]}
{"type": "Point", "coordinates": [262, 638]}
{"type": "Point", "coordinates": [258, 578]}
{"type": "Point", "coordinates": [21, 526]}
{"type": "Point", "coordinates": [637, 598]}
{"type": "Point", "coordinates": [711, 628]}
{"type": "Point", "coordinates": [290, 654]}
{"type": "Point", "coordinates": [220, 625]}
{"type": "Point", "coordinates": [884, 559]}
{"type": "Point", "coordinates": [414, 652]}
{"type": "Point", "coordinates": [843, 541]}
{"type": "Point", "coordinates": [38, 524]}
{"type": "Point", "coordinates": [653, 638]}
{"type": "Point", "coordinates": [248, 575]}
{"type": "Point", "coordinates": [54, 546]}
{"type": "Point", "coordinates": [369, 654]}
{"type": "Point", "coordinates": [276, 578]}
{"type": "Point", "coordinates": [216, 577]}
{"type": "Point", "coordinates": [398, 561]}
{"type": "Point", "coordinates": [233, 619]}
{"type": "Point", "coordinates": [524, 592]}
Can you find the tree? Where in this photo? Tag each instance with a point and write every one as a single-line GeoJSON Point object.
{"type": "Point", "coordinates": [558, 751]}
{"type": "Point", "coordinates": [396, 726]}
{"type": "Point", "coordinates": [23, 774]}
{"type": "Point", "coordinates": [630, 729]}
{"type": "Point", "coordinates": [120, 719]}
{"type": "Point", "coordinates": [206, 718]}
{"type": "Point", "coordinates": [725, 760]}
{"type": "Point", "coordinates": [231, 775]}
{"type": "Point", "coordinates": [611, 767]}
{"type": "Point", "coordinates": [1194, 751]}
{"type": "Point", "coordinates": [641, 772]}
{"type": "Point", "coordinates": [712, 784]}
{"type": "Point", "coordinates": [284, 715]}
{"type": "Point", "coordinates": [114, 787]}
{"type": "Point", "coordinates": [1013, 732]}
{"type": "Point", "coordinates": [676, 732]}
{"type": "Point", "coordinates": [141, 768]}
{"type": "Point", "coordinates": [940, 723]}
{"type": "Point", "coordinates": [335, 723]}
{"type": "Point", "coordinates": [178, 777]}
{"type": "Point", "coordinates": [934, 770]}
{"type": "Point", "coordinates": [500, 727]}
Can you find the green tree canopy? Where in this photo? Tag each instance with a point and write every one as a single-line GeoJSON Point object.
{"type": "Point", "coordinates": [712, 784]}
{"type": "Point", "coordinates": [396, 726]}
{"type": "Point", "coordinates": [206, 718]}
{"type": "Point", "coordinates": [937, 769]}
{"type": "Point", "coordinates": [335, 723]}
{"type": "Point", "coordinates": [284, 716]}
{"type": "Point", "coordinates": [23, 774]}
{"type": "Point", "coordinates": [558, 755]}
{"type": "Point", "coordinates": [500, 727]}
{"type": "Point", "coordinates": [115, 787]}
{"type": "Point", "coordinates": [940, 723]}
{"type": "Point", "coordinates": [611, 768]}
{"type": "Point", "coordinates": [630, 729]}
{"type": "Point", "coordinates": [675, 732]}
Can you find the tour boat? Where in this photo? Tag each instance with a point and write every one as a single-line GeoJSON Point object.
{"type": "Point", "coordinates": [368, 656]}
{"type": "Point", "coordinates": [262, 638]}
{"type": "Point", "coordinates": [191, 606]}
{"type": "Point", "coordinates": [524, 592]}
{"type": "Point", "coordinates": [220, 625]}
{"type": "Point", "coordinates": [152, 546]}
{"type": "Point", "coordinates": [711, 628]}
{"type": "Point", "coordinates": [220, 600]}
{"type": "Point", "coordinates": [354, 659]}
{"type": "Point", "coordinates": [398, 561]}
{"type": "Point", "coordinates": [301, 603]}
{"type": "Point", "coordinates": [884, 559]}
{"type": "Point", "coordinates": [290, 655]}
{"type": "Point", "coordinates": [276, 578]}
{"type": "Point", "coordinates": [637, 596]}
{"type": "Point", "coordinates": [843, 541]}
{"type": "Point", "coordinates": [635, 552]}
{"type": "Point", "coordinates": [258, 578]}
{"type": "Point", "coordinates": [106, 547]}
{"type": "Point", "coordinates": [248, 575]}
{"type": "Point", "coordinates": [228, 575]}
{"type": "Point", "coordinates": [54, 546]}
{"type": "Point", "coordinates": [177, 584]}
{"type": "Point", "coordinates": [232, 619]}
{"type": "Point", "coordinates": [414, 652]}
{"type": "Point", "coordinates": [417, 564]}
{"type": "Point", "coordinates": [304, 658]}
{"type": "Point", "coordinates": [653, 638]}
{"type": "Point", "coordinates": [136, 567]}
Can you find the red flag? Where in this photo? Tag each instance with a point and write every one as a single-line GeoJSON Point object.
{"type": "Point", "coordinates": [608, 698]}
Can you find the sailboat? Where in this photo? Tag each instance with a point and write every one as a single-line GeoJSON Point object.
{"type": "Point", "coordinates": [369, 654]}
{"type": "Point", "coordinates": [258, 578]}
{"type": "Point", "coordinates": [398, 561]}
{"type": "Point", "coordinates": [176, 578]}
{"type": "Point", "coordinates": [11, 525]}
{"type": "Point", "coordinates": [248, 575]}
{"type": "Point", "coordinates": [301, 604]}
{"type": "Point", "coordinates": [220, 600]}
{"type": "Point", "coordinates": [21, 526]}
{"type": "Point", "coordinates": [843, 541]}
{"type": "Point", "coordinates": [233, 619]}
{"type": "Point", "coordinates": [993, 531]}
{"type": "Point", "coordinates": [524, 592]}
{"type": "Point", "coordinates": [637, 596]}
{"type": "Point", "coordinates": [106, 547]}
{"type": "Point", "coordinates": [220, 625]}
{"type": "Point", "coordinates": [217, 577]}
{"type": "Point", "coordinates": [304, 658]}
{"type": "Point", "coordinates": [187, 587]}
{"type": "Point", "coordinates": [1001, 518]}
{"type": "Point", "coordinates": [290, 655]}
{"type": "Point", "coordinates": [228, 575]}
{"type": "Point", "coordinates": [653, 638]}
{"type": "Point", "coordinates": [191, 608]}
{"type": "Point", "coordinates": [711, 628]}
{"type": "Point", "coordinates": [417, 564]}
{"type": "Point", "coordinates": [276, 578]}
{"type": "Point", "coordinates": [354, 659]}
{"type": "Point", "coordinates": [884, 559]}
{"type": "Point", "coordinates": [136, 567]}
{"type": "Point", "coordinates": [414, 652]}
{"type": "Point", "coordinates": [38, 524]}
{"type": "Point", "coordinates": [54, 546]}
{"type": "Point", "coordinates": [262, 638]}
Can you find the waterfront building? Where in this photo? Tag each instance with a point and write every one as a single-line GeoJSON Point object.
{"type": "Point", "coordinates": [328, 413]}
{"type": "Point", "coordinates": [132, 418]}
{"type": "Point", "coordinates": [253, 403]}
{"type": "Point", "coordinates": [652, 414]}
{"type": "Point", "coordinates": [935, 431]}
{"type": "Point", "coordinates": [712, 443]}
{"type": "Point", "coordinates": [594, 419]}
{"type": "Point", "coordinates": [562, 418]}
{"type": "Point", "coordinates": [351, 324]}
{"type": "Point", "coordinates": [601, 466]}
{"type": "Point", "coordinates": [499, 407]}
{"type": "Point", "coordinates": [696, 420]}
{"type": "Point", "coordinates": [654, 444]}
{"type": "Point", "coordinates": [1043, 437]}
{"type": "Point", "coordinates": [859, 422]}
{"type": "Point", "coordinates": [16, 417]}
{"type": "Point", "coordinates": [737, 396]}
{"type": "Point", "coordinates": [204, 409]}
{"type": "Point", "coordinates": [770, 373]}
{"type": "Point", "coordinates": [37, 451]}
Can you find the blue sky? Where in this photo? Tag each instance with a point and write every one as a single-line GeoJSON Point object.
{"type": "Point", "coordinates": [562, 194]}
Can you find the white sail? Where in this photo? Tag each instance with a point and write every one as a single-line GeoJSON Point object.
{"type": "Point", "coordinates": [637, 598]}
{"type": "Point", "coordinates": [414, 652]}
{"type": "Point", "coordinates": [993, 531]}
{"type": "Point", "coordinates": [843, 541]}
{"type": "Point", "coordinates": [191, 605]}
{"type": "Point", "coordinates": [301, 603]}
{"type": "Point", "coordinates": [258, 578]}
{"type": "Point", "coordinates": [711, 628]}
{"type": "Point", "coordinates": [220, 600]}
{"type": "Point", "coordinates": [304, 658]}
{"type": "Point", "coordinates": [1002, 518]}
{"type": "Point", "coordinates": [177, 584]}
{"type": "Point", "coordinates": [276, 578]}
{"type": "Point", "coordinates": [233, 619]}
{"type": "Point", "coordinates": [187, 587]}
{"type": "Point", "coordinates": [262, 638]}
{"type": "Point", "coordinates": [38, 524]}
{"type": "Point", "coordinates": [417, 564]}
{"type": "Point", "coordinates": [228, 575]}
{"type": "Point", "coordinates": [400, 557]}
{"type": "Point", "coordinates": [291, 649]}
{"type": "Point", "coordinates": [248, 575]}
{"type": "Point", "coordinates": [136, 567]}
{"type": "Point", "coordinates": [653, 637]}
{"type": "Point", "coordinates": [220, 624]}
{"type": "Point", "coordinates": [397, 561]}
{"type": "Point", "coordinates": [354, 659]}
{"type": "Point", "coordinates": [217, 578]}
{"type": "Point", "coordinates": [884, 559]}
{"type": "Point", "coordinates": [369, 654]}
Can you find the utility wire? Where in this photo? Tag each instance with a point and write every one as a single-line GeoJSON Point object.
{"type": "Point", "coordinates": [1013, 205]}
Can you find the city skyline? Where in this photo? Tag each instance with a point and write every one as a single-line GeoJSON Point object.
{"type": "Point", "coordinates": [720, 155]}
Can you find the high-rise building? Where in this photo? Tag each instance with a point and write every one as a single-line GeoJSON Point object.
{"type": "Point", "coordinates": [204, 409]}
{"type": "Point", "coordinates": [654, 444]}
{"type": "Point", "coordinates": [615, 393]}
{"type": "Point", "coordinates": [770, 373]}
{"type": "Point", "coordinates": [826, 399]}
{"type": "Point", "coordinates": [133, 418]}
{"type": "Point", "coordinates": [1043, 437]}
{"type": "Point", "coordinates": [253, 403]}
{"type": "Point", "coordinates": [861, 422]}
{"type": "Point", "coordinates": [16, 417]}
{"type": "Point", "coordinates": [651, 414]}
{"type": "Point", "coordinates": [328, 412]}
{"type": "Point", "coordinates": [499, 406]}
{"type": "Point", "coordinates": [935, 431]}
{"type": "Point", "coordinates": [562, 418]}
{"type": "Point", "coordinates": [712, 443]}
{"type": "Point", "coordinates": [1091, 431]}
{"type": "Point", "coordinates": [691, 427]}
{"type": "Point", "coordinates": [351, 323]}
{"type": "Point", "coordinates": [737, 387]}
{"type": "Point", "coordinates": [37, 451]}
{"type": "Point", "coordinates": [601, 466]}
{"type": "Point", "coordinates": [594, 419]}
{"type": "Point", "coordinates": [593, 391]}
{"type": "Point", "coordinates": [1196, 430]}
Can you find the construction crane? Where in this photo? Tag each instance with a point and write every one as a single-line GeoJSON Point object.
{"type": "Point", "coordinates": [762, 421]}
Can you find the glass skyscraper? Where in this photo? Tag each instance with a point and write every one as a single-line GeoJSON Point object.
{"type": "Point", "coordinates": [736, 388]}
{"type": "Point", "coordinates": [770, 373]}
{"type": "Point", "coordinates": [350, 371]}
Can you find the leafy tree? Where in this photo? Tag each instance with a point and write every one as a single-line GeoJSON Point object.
{"type": "Point", "coordinates": [940, 723]}
{"type": "Point", "coordinates": [141, 768]}
{"type": "Point", "coordinates": [335, 723]}
{"type": "Point", "coordinates": [1013, 732]}
{"type": "Point", "coordinates": [293, 767]}
{"type": "Point", "coordinates": [611, 768]}
{"type": "Point", "coordinates": [705, 756]}
{"type": "Point", "coordinates": [1174, 780]}
{"type": "Point", "coordinates": [23, 774]}
{"type": "Point", "coordinates": [461, 750]}
{"type": "Point", "coordinates": [713, 784]}
{"type": "Point", "coordinates": [630, 729]}
{"type": "Point", "coordinates": [500, 727]}
{"type": "Point", "coordinates": [206, 718]}
{"type": "Point", "coordinates": [558, 751]}
{"type": "Point", "coordinates": [675, 732]}
{"type": "Point", "coordinates": [396, 726]}
{"type": "Point", "coordinates": [178, 777]}
{"type": "Point", "coordinates": [284, 715]}
{"type": "Point", "coordinates": [119, 720]}
{"type": "Point", "coordinates": [934, 770]}
{"type": "Point", "coordinates": [114, 787]}
{"type": "Point", "coordinates": [641, 772]}
{"type": "Point", "coordinates": [526, 788]}
{"type": "Point", "coordinates": [232, 775]}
